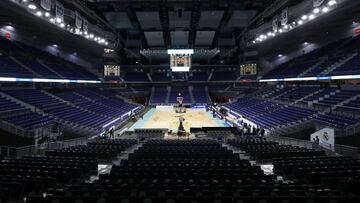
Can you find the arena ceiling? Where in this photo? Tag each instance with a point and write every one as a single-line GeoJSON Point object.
{"type": "Point", "coordinates": [161, 24]}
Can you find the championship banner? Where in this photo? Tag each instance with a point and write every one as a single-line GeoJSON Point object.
{"type": "Point", "coordinates": [284, 16]}
{"type": "Point", "coordinates": [46, 4]}
{"type": "Point", "coordinates": [275, 23]}
{"type": "Point", "coordinates": [317, 3]}
{"type": "Point", "coordinates": [59, 11]}
{"type": "Point", "coordinates": [85, 25]}
{"type": "Point", "coordinates": [78, 20]}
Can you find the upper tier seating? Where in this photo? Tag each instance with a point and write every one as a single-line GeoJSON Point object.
{"type": "Point", "coordinates": [297, 93]}
{"type": "Point", "coordinates": [223, 76]}
{"type": "Point", "coordinates": [136, 76]}
{"type": "Point", "coordinates": [326, 56]}
{"type": "Point", "coordinates": [350, 67]}
{"type": "Point", "coordinates": [183, 90]}
{"type": "Point", "coordinates": [159, 96]}
{"type": "Point", "coordinates": [200, 95]}
{"type": "Point", "coordinates": [38, 68]}
{"type": "Point", "coordinates": [198, 76]}
{"type": "Point", "coordinates": [28, 56]}
{"type": "Point", "coordinates": [9, 68]}
{"type": "Point", "coordinates": [158, 77]}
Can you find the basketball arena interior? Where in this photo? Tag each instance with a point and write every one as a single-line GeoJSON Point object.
{"type": "Point", "coordinates": [179, 101]}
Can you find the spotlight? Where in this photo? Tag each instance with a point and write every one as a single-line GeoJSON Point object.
{"type": "Point", "coordinates": [9, 27]}
{"type": "Point", "coordinates": [325, 9]}
{"type": "Point", "coordinates": [304, 17]}
{"type": "Point", "coordinates": [332, 2]}
{"type": "Point", "coordinates": [32, 6]}
{"type": "Point", "coordinates": [316, 10]}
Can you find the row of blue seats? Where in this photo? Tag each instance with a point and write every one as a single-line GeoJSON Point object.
{"type": "Point", "coordinates": [28, 56]}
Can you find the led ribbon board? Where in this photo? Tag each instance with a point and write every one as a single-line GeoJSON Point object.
{"type": "Point", "coordinates": [338, 77]}
{"type": "Point", "coordinates": [9, 79]}
{"type": "Point", "coordinates": [180, 59]}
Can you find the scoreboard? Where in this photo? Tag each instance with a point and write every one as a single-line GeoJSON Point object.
{"type": "Point", "coordinates": [111, 70]}
{"type": "Point", "coordinates": [180, 59]}
{"type": "Point", "coordinates": [248, 69]}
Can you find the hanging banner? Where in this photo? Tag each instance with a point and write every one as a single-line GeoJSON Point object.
{"type": "Point", "coordinates": [317, 3]}
{"type": "Point", "coordinates": [78, 20]}
{"type": "Point", "coordinates": [275, 23]}
{"type": "Point", "coordinates": [59, 11]}
{"type": "Point", "coordinates": [85, 25]}
{"type": "Point", "coordinates": [284, 16]}
{"type": "Point", "coordinates": [46, 4]}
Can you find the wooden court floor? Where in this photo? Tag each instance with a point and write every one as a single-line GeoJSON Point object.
{"type": "Point", "coordinates": [166, 117]}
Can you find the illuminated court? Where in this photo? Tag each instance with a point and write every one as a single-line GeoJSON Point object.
{"type": "Point", "coordinates": [165, 117]}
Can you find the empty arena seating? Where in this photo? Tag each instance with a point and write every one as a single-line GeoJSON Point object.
{"type": "Point", "coordinates": [297, 93]}
{"type": "Point", "coordinates": [21, 117]}
{"type": "Point", "coordinates": [198, 76]}
{"type": "Point", "coordinates": [99, 149]}
{"type": "Point", "coordinates": [336, 121]}
{"type": "Point", "coordinates": [159, 95]}
{"type": "Point", "coordinates": [198, 171]}
{"type": "Point", "coordinates": [318, 61]}
{"type": "Point", "coordinates": [143, 134]}
{"type": "Point", "coordinates": [136, 76]}
{"type": "Point", "coordinates": [200, 95]}
{"type": "Point", "coordinates": [34, 174]}
{"type": "Point", "coordinates": [306, 103]}
{"type": "Point", "coordinates": [224, 76]}
{"type": "Point", "coordinates": [183, 90]}
{"type": "Point", "coordinates": [334, 172]}
{"type": "Point", "coordinates": [10, 68]}
{"type": "Point", "coordinates": [157, 77]}
{"type": "Point", "coordinates": [28, 56]}
{"type": "Point", "coordinates": [83, 112]}
{"type": "Point", "coordinates": [261, 149]}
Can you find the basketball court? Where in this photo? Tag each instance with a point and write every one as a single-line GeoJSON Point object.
{"type": "Point", "coordinates": [166, 117]}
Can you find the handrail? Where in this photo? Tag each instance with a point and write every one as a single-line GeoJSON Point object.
{"type": "Point", "coordinates": [331, 150]}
